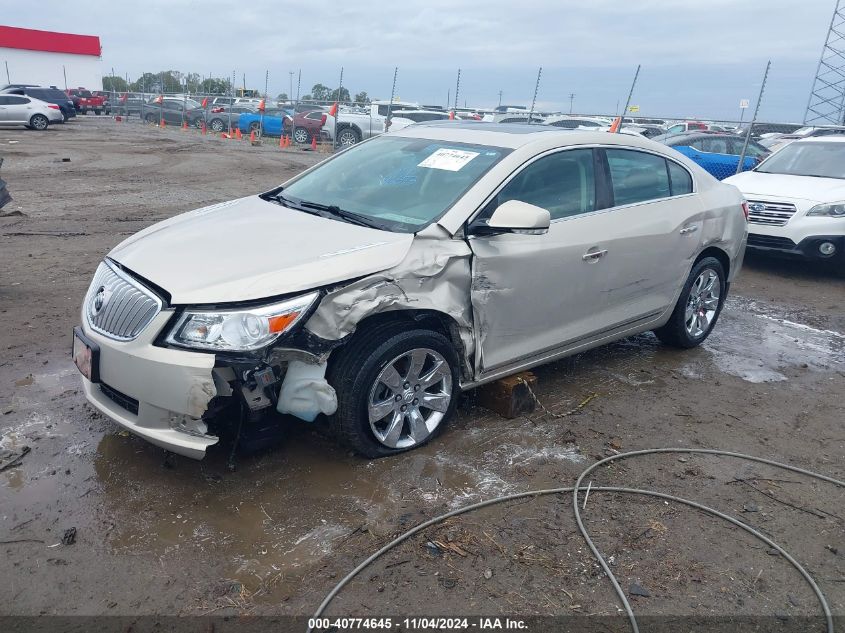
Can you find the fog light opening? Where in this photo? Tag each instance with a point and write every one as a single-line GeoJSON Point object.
{"type": "Point", "coordinates": [827, 248]}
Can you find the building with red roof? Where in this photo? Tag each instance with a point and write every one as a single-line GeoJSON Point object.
{"type": "Point", "coordinates": [64, 60]}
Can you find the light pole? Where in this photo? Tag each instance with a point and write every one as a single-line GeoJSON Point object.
{"type": "Point", "coordinates": [571, 100]}
{"type": "Point", "coordinates": [290, 94]}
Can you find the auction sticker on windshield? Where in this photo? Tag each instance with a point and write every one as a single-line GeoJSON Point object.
{"type": "Point", "coordinates": [448, 159]}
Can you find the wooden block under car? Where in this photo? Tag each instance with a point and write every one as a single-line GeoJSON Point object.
{"type": "Point", "coordinates": [509, 397]}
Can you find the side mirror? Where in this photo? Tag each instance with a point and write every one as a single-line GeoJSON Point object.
{"type": "Point", "coordinates": [517, 216]}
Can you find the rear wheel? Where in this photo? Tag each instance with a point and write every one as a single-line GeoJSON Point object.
{"type": "Point", "coordinates": [96, 111]}
{"type": "Point", "coordinates": [300, 135]}
{"type": "Point", "coordinates": [39, 122]}
{"type": "Point", "coordinates": [348, 136]}
{"type": "Point", "coordinates": [698, 307]}
{"type": "Point", "coordinates": [396, 388]}
{"type": "Point", "coordinates": [150, 118]}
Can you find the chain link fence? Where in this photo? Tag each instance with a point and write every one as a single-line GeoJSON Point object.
{"type": "Point", "coordinates": [717, 146]}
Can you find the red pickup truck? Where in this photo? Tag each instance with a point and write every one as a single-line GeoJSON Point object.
{"type": "Point", "coordinates": [84, 100]}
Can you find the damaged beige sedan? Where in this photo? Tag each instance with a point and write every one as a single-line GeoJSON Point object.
{"type": "Point", "coordinates": [376, 286]}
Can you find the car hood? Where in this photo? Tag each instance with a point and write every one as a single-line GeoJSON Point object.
{"type": "Point", "coordinates": [252, 249]}
{"type": "Point", "coordinates": [752, 183]}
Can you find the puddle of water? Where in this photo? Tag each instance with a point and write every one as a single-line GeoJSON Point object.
{"type": "Point", "coordinates": [758, 346]}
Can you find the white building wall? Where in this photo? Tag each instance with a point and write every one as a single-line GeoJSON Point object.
{"type": "Point", "coordinates": [38, 67]}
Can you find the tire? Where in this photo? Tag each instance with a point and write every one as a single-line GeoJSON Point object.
{"type": "Point", "coordinates": [301, 136]}
{"type": "Point", "coordinates": [348, 136]}
{"type": "Point", "coordinates": [150, 118]}
{"type": "Point", "coordinates": [255, 126]}
{"type": "Point", "coordinates": [97, 112]}
{"type": "Point", "coordinates": [357, 372]}
{"type": "Point", "coordinates": [39, 122]}
{"type": "Point", "coordinates": [698, 307]}
{"type": "Point", "coordinates": [216, 125]}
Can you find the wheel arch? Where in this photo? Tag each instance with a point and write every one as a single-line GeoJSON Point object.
{"type": "Point", "coordinates": [349, 126]}
{"type": "Point", "coordinates": [719, 254]}
{"type": "Point", "coordinates": [440, 322]}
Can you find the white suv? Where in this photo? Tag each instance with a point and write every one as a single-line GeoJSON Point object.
{"type": "Point", "coordinates": [796, 199]}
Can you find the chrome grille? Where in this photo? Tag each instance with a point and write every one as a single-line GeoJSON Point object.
{"type": "Point", "coordinates": [770, 213]}
{"type": "Point", "coordinates": [118, 306]}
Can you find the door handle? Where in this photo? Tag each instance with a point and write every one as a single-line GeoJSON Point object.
{"type": "Point", "coordinates": [688, 229]}
{"type": "Point", "coordinates": [592, 256]}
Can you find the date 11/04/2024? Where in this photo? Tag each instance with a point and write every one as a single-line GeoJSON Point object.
{"type": "Point", "coordinates": [418, 624]}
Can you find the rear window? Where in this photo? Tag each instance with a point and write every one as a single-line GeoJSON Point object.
{"type": "Point", "coordinates": [47, 94]}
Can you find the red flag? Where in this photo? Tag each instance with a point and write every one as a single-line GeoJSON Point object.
{"type": "Point", "coordinates": [159, 99]}
{"type": "Point", "coordinates": [451, 115]}
{"type": "Point", "coordinates": [205, 102]}
{"type": "Point", "coordinates": [124, 97]}
{"type": "Point", "coordinates": [261, 106]}
{"type": "Point", "coordinates": [333, 109]}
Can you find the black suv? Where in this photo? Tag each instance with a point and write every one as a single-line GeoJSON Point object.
{"type": "Point", "coordinates": [50, 95]}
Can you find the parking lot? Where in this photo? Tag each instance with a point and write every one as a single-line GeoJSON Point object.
{"type": "Point", "coordinates": [272, 538]}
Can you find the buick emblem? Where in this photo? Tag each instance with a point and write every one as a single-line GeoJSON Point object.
{"type": "Point", "coordinates": [100, 300]}
{"type": "Point", "coordinates": [757, 207]}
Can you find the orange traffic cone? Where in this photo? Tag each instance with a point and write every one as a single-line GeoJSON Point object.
{"type": "Point", "coordinates": [282, 141]}
{"type": "Point", "coordinates": [614, 127]}
{"type": "Point", "coordinates": [162, 123]}
{"type": "Point", "coordinates": [238, 134]}
{"type": "Point", "coordinates": [287, 141]}
{"type": "Point", "coordinates": [314, 142]}
{"type": "Point", "coordinates": [203, 129]}
{"type": "Point", "coordinates": [252, 137]}
{"type": "Point", "coordinates": [224, 135]}
{"type": "Point", "coordinates": [184, 125]}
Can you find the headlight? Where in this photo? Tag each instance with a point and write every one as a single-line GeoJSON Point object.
{"type": "Point", "coordinates": [829, 210]}
{"type": "Point", "coordinates": [239, 330]}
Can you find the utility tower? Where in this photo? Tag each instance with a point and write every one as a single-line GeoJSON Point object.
{"type": "Point", "coordinates": [827, 98]}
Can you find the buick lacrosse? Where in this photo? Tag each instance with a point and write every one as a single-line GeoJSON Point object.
{"type": "Point", "coordinates": [371, 289]}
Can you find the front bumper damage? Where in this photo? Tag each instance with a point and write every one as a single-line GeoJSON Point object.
{"type": "Point", "coordinates": [157, 393]}
{"type": "Point", "coordinates": [175, 398]}
{"type": "Point", "coordinates": [180, 400]}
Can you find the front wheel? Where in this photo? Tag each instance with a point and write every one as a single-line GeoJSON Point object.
{"type": "Point", "coordinates": [216, 125]}
{"type": "Point", "coordinates": [255, 126]}
{"type": "Point", "coordinates": [396, 388]}
{"type": "Point", "coordinates": [698, 307]}
{"type": "Point", "coordinates": [38, 122]}
{"type": "Point", "coordinates": [150, 118]}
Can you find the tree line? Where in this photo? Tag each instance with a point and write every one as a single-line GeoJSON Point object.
{"type": "Point", "coordinates": [174, 81]}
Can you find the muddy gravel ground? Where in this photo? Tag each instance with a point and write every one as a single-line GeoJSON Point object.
{"type": "Point", "coordinates": [272, 538]}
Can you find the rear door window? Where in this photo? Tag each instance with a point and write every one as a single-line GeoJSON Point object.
{"type": "Point", "coordinates": [679, 179]}
{"type": "Point", "coordinates": [637, 176]}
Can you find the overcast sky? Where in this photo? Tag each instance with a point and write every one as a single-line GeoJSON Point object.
{"type": "Point", "coordinates": [698, 58]}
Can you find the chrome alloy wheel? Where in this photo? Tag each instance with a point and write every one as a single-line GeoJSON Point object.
{"type": "Point", "coordinates": [703, 303]}
{"type": "Point", "coordinates": [409, 398]}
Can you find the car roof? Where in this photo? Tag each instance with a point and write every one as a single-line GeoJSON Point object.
{"type": "Point", "coordinates": [832, 138]}
{"type": "Point", "coordinates": [511, 135]}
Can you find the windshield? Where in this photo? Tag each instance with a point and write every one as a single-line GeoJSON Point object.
{"type": "Point", "coordinates": [401, 184]}
{"type": "Point", "coordinates": [808, 158]}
